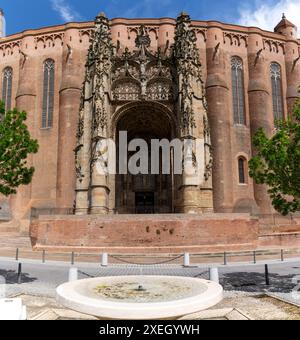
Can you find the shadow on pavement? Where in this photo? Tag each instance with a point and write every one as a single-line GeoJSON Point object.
{"type": "Point", "coordinates": [256, 282]}
{"type": "Point", "coordinates": [11, 277]}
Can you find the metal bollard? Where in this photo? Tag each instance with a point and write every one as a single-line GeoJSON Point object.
{"type": "Point", "coordinates": [267, 275]}
{"type": "Point", "coordinates": [186, 260]}
{"type": "Point", "coordinates": [225, 259]}
{"type": "Point", "coordinates": [254, 257]}
{"type": "Point", "coordinates": [104, 262]}
{"type": "Point", "coordinates": [214, 275]}
{"type": "Point", "coordinates": [19, 273]}
{"type": "Point", "coordinates": [282, 255]}
{"type": "Point", "coordinates": [17, 254]}
{"type": "Point", "coordinates": [73, 274]}
{"type": "Point", "coordinates": [72, 258]}
{"type": "Point", "coordinates": [44, 256]}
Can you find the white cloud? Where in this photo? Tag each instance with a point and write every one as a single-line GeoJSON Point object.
{"type": "Point", "coordinates": [65, 10]}
{"type": "Point", "coordinates": [267, 14]}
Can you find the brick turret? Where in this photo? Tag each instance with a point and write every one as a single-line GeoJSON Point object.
{"type": "Point", "coordinates": [287, 28]}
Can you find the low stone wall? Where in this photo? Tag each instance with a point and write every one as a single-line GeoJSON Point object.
{"type": "Point", "coordinates": [279, 232]}
{"type": "Point", "coordinates": [287, 240]}
{"type": "Point", "coordinates": [146, 233]}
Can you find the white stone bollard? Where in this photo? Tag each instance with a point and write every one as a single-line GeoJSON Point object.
{"type": "Point", "coordinates": [214, 275]}
{"type": "Point", "coordinates": [104, 262]}
{"type": "Point", "coordinates": [186, 261]}
{"type": "Point", "coordinates": [73, 274]}
{"type": "Point", "coordinates": [2, 287]}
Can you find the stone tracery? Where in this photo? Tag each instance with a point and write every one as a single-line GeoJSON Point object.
{"type": "Point", "coordinates": [142, 75]}
{"type": "Point", "coordinates": [114, 77]}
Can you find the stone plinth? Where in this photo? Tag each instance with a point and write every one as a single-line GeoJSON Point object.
{"type": "Point", "coordinates": [145, 233]}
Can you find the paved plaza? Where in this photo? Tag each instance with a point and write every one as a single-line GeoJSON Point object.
{"type": "Point", "coordinates": [246, 294]}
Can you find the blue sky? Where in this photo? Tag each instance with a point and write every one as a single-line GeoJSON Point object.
{"type": "Point", "coordinates": [25, 14]}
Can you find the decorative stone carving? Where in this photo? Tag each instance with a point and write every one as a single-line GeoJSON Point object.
{"type": "Point", "coordinates": [191, 87]}
{"type": "Point", "coordinates": [236, 38]}
{"type": "Point", "coordinates": [97, 75]}
{"type": "Point", "coordinates": [49, 38]}
{"type": "Point", "coordinates": [142, 75]}
{"type": "Point", "coordinates": [88, 32]}
{"type": "Point", "coordinates": [147, 30]}
{"type": "Point", "coordinates": [102, 53]}
{"type": "Point", "coordinates": [273, 45]}
{"type": "Point", "coordinates": [159, 91]}
{"type": "Point", "coordinates": [9, 47]}
{"type": "Point", "coordinates": [79, 135]}
{"type": "Point", "coordinates": [187, 59]}
{"type": "Point", "coordinates": [116, 76]}
{"type": "Point", "coordinates": [202, 31]}
{"type": "Point", "coordinates": [126, 91]}
{"type": "Point", "coordinates": [207, 149]}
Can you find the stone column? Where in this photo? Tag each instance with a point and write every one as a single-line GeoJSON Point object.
{"type": "Point", "coordinates": [92, 189]}
{"type": "Point", "coordinates": [260, 105]}
{"type": "Point", "coordinates": [292, 62]}
{"type": "Point", "coordinates": [195, 191]}
{"type": "Point", "coordinates": [83, 150]}
{"type": "Point", "coordinates": [219, 113]}
{"type": "Point", "coordinates": [99, 178]}
{"type": "Point", "coordinates": [26, 100]}
{"type": "Point", "coordinates": [69, 102]}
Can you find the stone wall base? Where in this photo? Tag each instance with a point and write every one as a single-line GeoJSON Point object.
{"type": "Point", "coordinates": [145, 233]}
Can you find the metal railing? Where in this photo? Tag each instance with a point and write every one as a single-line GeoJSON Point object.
{"type": "Point", "coordinates": [187, 259]}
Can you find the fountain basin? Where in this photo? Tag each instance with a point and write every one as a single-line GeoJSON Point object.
{"type": "Point", "coordinates": [121, 298]}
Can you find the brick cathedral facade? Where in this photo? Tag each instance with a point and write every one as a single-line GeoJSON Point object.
{"type": "Point", "coordinates": [160, 77]}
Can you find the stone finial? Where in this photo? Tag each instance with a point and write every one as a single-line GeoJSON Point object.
{"type": "Point", "coordinates": [102, 15]}
{"type": "Point", "coordinates": [184, 17]}
{"type": "Point", "coordinates": [283, 16]}
{"type": "Point", "coordinates": [101, 18]}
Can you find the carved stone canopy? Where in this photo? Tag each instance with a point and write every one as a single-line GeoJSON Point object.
{"type": "Point", "coordinates": [142, 74]}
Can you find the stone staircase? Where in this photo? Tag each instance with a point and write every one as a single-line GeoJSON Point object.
{"type": "Point", "coordinates": [14, 240]}
{"type": "Point", "coordinates": [11, 239]}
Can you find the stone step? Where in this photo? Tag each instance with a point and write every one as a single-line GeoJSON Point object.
{"type": "Point", "coordinates": [8, 227]}
{"type": "Point", "coordinates": [14, 240]}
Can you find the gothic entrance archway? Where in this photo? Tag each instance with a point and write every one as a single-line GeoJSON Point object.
{"type": "Point", "coordinates": [144, 193]}
{"type": "Point", "coordinates": [151, 93]}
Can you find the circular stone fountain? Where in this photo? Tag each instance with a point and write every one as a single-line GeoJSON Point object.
{"type": "Point", "coordinates": [139, 298]}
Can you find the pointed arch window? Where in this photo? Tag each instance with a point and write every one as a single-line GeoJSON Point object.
{"type": "Point", "coordinates": [275, 71]}
{"type": "Point", "coordinates": [7, 87]}
{"type": "Point", "coordinates": [242, 167]}
{"type": "Point", "coordinates": [238, 90]}
{"type": "Point", "coordinates": [48, 94]}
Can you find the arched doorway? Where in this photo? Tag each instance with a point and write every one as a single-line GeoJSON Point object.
{"type": "Point", "coordinates": [144, 193]}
